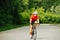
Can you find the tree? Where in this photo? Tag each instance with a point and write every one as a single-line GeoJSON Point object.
{"type": "Point", "coordinates": [9, 12]}
{"type": "Point", "coordinates": [48, 3]}
{"type": "Point", "coordinates": [34, 3]}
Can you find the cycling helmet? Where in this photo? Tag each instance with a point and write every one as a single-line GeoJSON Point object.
{"type": "Point", "coordinates": [35, 12]}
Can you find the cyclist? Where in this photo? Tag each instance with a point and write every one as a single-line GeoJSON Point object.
{"type": "Point", "coordinates": [34, 18]}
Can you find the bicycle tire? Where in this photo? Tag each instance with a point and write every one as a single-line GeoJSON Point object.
{"type": "Point", "coordinates": [34, 34]}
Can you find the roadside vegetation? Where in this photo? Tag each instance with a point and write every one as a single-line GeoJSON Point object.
{"type": "Point", "coordinates": [16, 13]}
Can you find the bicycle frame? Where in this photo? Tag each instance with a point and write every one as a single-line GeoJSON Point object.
{"type": "Point", "coordinates": [34, 32]}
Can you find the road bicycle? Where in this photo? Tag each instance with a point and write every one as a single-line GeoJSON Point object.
{"type": "Point", "coordinates": [34, 32]}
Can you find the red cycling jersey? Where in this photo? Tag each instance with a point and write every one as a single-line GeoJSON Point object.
{"type": "Point", "coordinates": [34, 17]}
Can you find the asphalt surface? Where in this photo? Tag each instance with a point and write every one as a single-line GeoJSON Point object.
{"type": "Point", "coordinates": [44, 32]}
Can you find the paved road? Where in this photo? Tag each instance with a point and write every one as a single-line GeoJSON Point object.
{"type": "Point", "coordinates": [44, 32]}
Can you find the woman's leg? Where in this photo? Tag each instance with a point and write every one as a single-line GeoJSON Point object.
{"type": "Point", "coordinates": [31, 30]}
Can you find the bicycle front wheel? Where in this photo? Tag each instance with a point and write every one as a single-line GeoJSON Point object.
{"type": "Point", "coordinates": [35, 34]}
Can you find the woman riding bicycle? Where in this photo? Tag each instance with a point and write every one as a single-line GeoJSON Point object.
{"type": "Point", "coordinates": [33, 19]}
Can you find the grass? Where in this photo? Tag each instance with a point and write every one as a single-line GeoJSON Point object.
{"type": "Point", "coordinates": [8, 27]}
{"type": "Point", "coordinates": [57, 25]}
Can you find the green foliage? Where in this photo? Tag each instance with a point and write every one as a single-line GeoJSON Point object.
{"type": "Point", "coordinates": [16, 12]}
{"type": "Point", "coordinates": [9, 12]}
{"type": "Point", "coordinates": [57, 9]}
{"type": "Point", "coordinates": [24, 17]}
{"type": "Point", "coordinates": [25, 2]}
{"type": "Point", "coordinates": [40, 10]}
{"type": "Point", "coordinates": [47, 17]}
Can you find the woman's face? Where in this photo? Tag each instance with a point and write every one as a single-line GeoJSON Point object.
{"type": "Point", "coordinates": [35, 14]}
